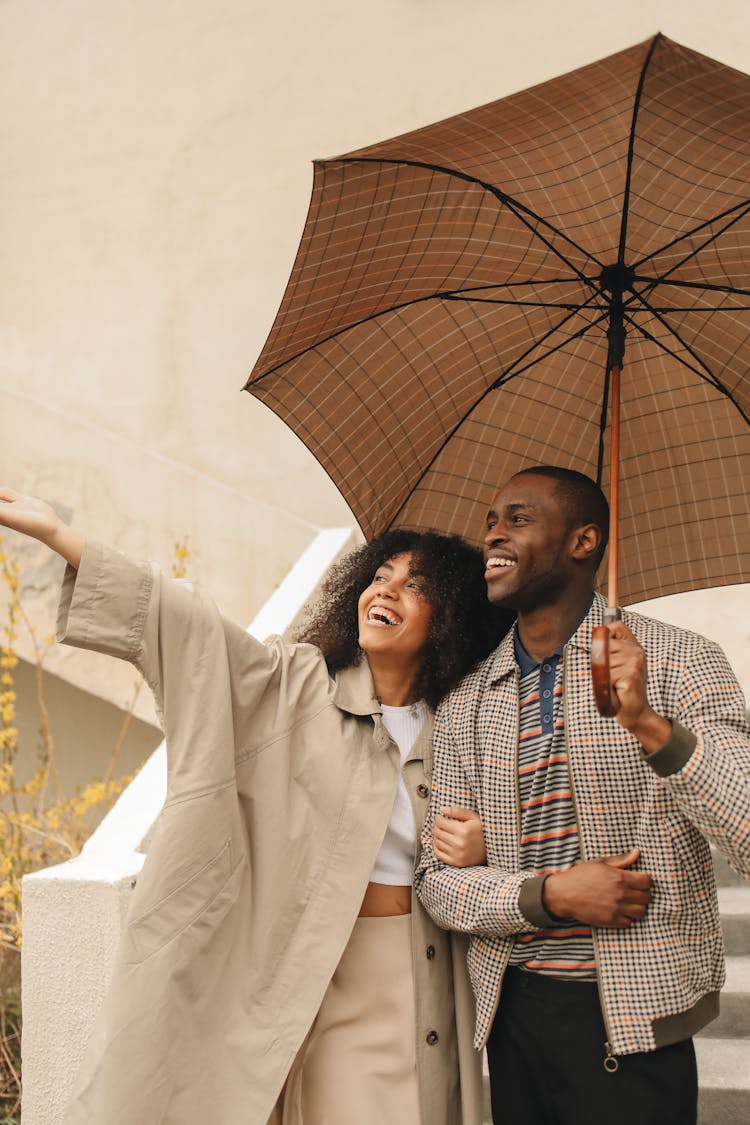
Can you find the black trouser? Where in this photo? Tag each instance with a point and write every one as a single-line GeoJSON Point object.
{"type": "Point", "coordinates": [546, 1060]}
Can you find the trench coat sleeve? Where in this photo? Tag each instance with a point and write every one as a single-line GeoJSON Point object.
{"type": "Point", "coordinates": [187, 653]}
{"type": "Point", "coordinates": [705, 765]}
{"type": "Point", "coordinates": [477, 900]}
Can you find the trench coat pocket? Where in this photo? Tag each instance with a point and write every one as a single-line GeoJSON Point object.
{"type": "Point", "coordinates": [162, 922]}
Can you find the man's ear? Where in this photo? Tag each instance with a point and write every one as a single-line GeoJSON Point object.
{"type": "Point", "coordinates": [585, 541]}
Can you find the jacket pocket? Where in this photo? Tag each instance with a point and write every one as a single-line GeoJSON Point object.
{"type": "Point", "coordinates": [182, 907]}
{"type": "Point", "coordinates": [689, 913]}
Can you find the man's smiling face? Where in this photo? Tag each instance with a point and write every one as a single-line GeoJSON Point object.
{"type": "Point", "coordinates": [527, 544]}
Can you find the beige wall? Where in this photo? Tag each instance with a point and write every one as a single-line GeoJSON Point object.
{"type": "Point", "coordinates": [85, 732]}
{"type": "Point", "coordinates": [155, 178]}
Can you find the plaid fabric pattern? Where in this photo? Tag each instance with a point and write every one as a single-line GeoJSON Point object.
{"type": "Point", "coordinates": [444, 324]}
{"type": "Point", "coordinates": [659, 966]}
{"type": "Point", "coordinates": [549, 831]}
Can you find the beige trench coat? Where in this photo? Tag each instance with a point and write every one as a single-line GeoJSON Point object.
{"type": "Point", "coordinates": [280, 785]}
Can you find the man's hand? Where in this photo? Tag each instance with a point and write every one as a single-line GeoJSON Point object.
{"type": "Point", "coordinates": [39, 520]}
{"type": "Point", "coordinates": [600, 892]}
{"type": "Point", "coordinates": [457, 838]}
{"type": "Point", "coordinates": [627, 666]}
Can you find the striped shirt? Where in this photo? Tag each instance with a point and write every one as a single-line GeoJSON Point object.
{"type": "Point", "coordinates": [549, 832]}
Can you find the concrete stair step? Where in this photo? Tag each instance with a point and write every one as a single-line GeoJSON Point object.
{"type": "Point", "coordinates": [723, 1081]}
{"type": "Point", "coordinates": [734, 1018]}
{"type": "Point", "coordinates": [734, 907]}
{"type": "Point", "coordinates": [726, 876]}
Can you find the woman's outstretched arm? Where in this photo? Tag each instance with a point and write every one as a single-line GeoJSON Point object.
{"type": "Point", "coordinates": [40, 521]}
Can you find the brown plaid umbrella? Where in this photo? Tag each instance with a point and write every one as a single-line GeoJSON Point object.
{"type": "Point", "coordinates": [460, 296]}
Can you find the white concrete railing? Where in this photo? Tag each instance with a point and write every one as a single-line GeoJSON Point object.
{"type": "Point", "coordinates": [73, 914]}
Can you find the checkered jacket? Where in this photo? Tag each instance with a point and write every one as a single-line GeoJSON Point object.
{"type": "Point", "coordinates": [659, 978]}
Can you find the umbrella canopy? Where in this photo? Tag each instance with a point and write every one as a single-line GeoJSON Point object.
{"type": "Point", "coordinates": [446, 320]}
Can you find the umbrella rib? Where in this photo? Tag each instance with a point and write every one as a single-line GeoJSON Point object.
{"type": "Point", "coordinates": [496, 385]}
{"type": "Point", "coordinates": [533, 281]}
{"type": "Point", "coordinates": [652, 282]}
{"type": "Point", "coordinates": [340, 332]}
{"type": "Point", "coordinates": [520, 210]}
{"type": "Point", "coordinates": [710, 379]}
{"type": "Point", "coordinates": [446, 295]}
{"type": "Point", "coordinates": [701, 369]}
{"type": "Point", "coordinates": [669, 309]}
{"type": "Point", "coordinates": [742, 209]}
{"type": "Point", "coordinates": [631, 150]}
{"type": "Point", "coordinates": [513, 371]}
{"type": "Point", "coordinates": [515, 304]}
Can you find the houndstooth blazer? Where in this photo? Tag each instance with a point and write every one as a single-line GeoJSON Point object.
{"type": "Point", "coordinates": [660, 977]}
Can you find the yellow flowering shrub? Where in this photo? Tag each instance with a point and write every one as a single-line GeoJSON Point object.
{"type": "Point", "coordinates": [181, 555]}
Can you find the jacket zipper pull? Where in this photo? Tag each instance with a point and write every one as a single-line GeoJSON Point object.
{"type": "Point", "coordinates": [611, 1062]}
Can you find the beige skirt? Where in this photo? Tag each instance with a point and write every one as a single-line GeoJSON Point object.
{"type": "Point", "coordinates": [358, 1063]}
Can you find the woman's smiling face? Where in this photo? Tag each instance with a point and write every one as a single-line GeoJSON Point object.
{"type": "Point", "coordinates": [395, 611]}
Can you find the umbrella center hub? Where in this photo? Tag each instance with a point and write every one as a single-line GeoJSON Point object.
{"type": "Point", "coordinates": [617, 278]}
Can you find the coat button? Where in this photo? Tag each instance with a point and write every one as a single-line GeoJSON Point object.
{"type": "Point", "coordinates": [432, 1038]}
{"type": "Point", "coordinates": [430, 951]}
{"type": "Point", "coordinates": [422, 791]}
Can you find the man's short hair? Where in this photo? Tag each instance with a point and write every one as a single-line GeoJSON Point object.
{"type": "Point", "coordinates": [582, 497]}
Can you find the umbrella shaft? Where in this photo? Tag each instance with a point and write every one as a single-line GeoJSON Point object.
{"type": "Point", "coordinates": [614, 484]}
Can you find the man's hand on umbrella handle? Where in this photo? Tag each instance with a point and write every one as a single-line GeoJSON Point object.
{"type": "Point", "coordinates": [39, 520]}
{"type": "Point", "coordinates": [627, 664]}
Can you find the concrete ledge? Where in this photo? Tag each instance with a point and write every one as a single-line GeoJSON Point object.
{"type": "Point", "coordinates": [73, 916]}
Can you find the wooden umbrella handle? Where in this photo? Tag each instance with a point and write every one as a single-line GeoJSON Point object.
{"type": "Point", "coordinates": [605, 696]}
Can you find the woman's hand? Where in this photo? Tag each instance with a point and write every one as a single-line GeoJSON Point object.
{"type": "Point", "coordinates": [39, 520]}
{"type": "Point", "coordinates": [457, 838]}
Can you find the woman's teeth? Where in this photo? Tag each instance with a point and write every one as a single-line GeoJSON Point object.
{"type": "Point", "coordinates": [383, 616]}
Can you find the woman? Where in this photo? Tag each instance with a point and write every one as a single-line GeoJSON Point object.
{"type": "Point", "coordinates": [273, 937]}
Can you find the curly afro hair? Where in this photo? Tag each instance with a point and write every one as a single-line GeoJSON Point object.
{"type": "Point", "coordinates": [464, 626]}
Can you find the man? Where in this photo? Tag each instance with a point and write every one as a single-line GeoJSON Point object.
{"type": "Point", "coordinates": [596, 949]}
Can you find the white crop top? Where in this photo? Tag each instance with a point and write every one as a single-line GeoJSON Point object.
{"type": "Point", "coordinates": [395, 860]}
